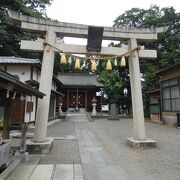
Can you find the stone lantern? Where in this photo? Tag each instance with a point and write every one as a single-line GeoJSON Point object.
{"type": "Point", "coordinates": [94, 106]}
{"type": "Point", "coordinates": [60, 106]}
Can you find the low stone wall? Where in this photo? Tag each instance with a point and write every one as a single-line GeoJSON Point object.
{"type": "Point", "coordinates": [5, 147]}
{"type": "Point", "coordinates": [170, 119]}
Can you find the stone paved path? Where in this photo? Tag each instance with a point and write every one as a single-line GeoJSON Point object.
{"type": "Point", "coordinates": [97, 162]}
{"type": "Point", "coordinates": [98, 151]}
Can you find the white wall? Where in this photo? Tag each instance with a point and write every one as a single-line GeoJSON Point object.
{"type": "Point", "coordinates": [54, 86]}
{"type": "Point", "coordinates": [23, 72]}
{"type": "Point", "coordinates": [39, 75]}
{"type": "Point", "coordinates": [34, 109]}
{"type": "Point", "coordinates": [36, 74]}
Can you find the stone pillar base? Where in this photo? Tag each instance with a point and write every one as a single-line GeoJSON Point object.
{"type": "Point", "coordinates": [113, 118]}
{"type": "Point", "coordinates": [39, 148]}
{"type": "Point", "coordinates": [148, 143]}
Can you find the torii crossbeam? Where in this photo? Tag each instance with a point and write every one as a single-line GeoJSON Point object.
{"type": "Point", "coordinates": [53, 29]}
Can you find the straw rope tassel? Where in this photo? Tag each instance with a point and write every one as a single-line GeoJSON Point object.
{"type": "Point", "coordinates": [109, 65]}
{"type": "Point", "coordinates": [93, 65]}
{"type": "Point", "coordinates": [77, 63]}
{"type": "Point", "coordinates": [123, 62]}
{"type": "Point", "coordinates": [63, 59]}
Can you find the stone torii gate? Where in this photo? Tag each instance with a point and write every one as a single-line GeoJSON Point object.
{"type": "Point", "coordinates": [54, 29]}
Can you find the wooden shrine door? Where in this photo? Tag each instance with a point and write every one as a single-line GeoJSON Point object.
{"type": "Point", "coordinates": [81, 100]}
{"type": "Point", "coordinates": [75, 101]}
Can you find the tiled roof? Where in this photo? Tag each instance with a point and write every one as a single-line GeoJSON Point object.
{"type": "Point", "coordinates": [153, 91]}
{"type": "Point", "coordinates": [18, 86]}
{"type": "Point", "coordinates": [78, 79]}
{"type": "Point", "coordinates": [165, 70]}
{"type": "Point", "coordinates": [17, 60]}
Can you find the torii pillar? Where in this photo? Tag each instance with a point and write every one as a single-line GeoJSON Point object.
{"type": "Point", "coordinates": [139, 139]}
{"type": "Point", "coordinates": [45, 87]}
{"type": "Point", "coordinates": [136, 93]}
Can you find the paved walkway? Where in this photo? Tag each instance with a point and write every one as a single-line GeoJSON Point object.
{"type": "Point", "coordinates": [97, 151]}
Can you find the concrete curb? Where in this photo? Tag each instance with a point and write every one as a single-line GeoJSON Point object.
{"type": "Point", "coordinates": [49, 123]}
{"type": "Point", "coordinates": [7, 172]}
{"type": "Point", "coordinates": [90, 119]}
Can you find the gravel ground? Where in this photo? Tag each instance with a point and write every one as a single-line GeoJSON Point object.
{"type": "Point", "coordinates": [61, 128]}
{"type": "Point", "coordinates": [63, 151]}
{"type": "Point", "coordinates": [159, 163]}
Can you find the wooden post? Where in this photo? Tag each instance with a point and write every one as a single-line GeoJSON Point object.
{"type": "Point", "coordinates": [23, 138]}
{"type": "Point", "coordinates": [77, 99]}
{"type": "Point", "coordinates": [7, 117]}
{"type": "Point", "coordinates": [67, 100]}
{"type": "Point", "coordinates": [86, 100]}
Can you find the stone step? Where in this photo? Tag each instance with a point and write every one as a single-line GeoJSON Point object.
{"type": "Point", "coordinates": [25, 169]}
{"type": "Point", "coordinates": [78, 172]}
{"type": "Point", "coordinates": [42, 172]}
{"type": "Point", "coordinates": [29, 171]}
{"type": "Point", "coordinates": [58, 172]}
{"type": "Point", "coordinates": [68, 172]}
{"type": "Point", "coordinates": [63, 172]}
{"type": "Point", "coordinates": [22, 172]}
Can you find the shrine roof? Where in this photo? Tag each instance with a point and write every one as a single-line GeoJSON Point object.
{"type": "Point", "coordinates": [168, 69]}
{"type": "Point", "coordinates": [79, 79]}
{"type": "Point", "coordinates": [8, 81]}
{"type": "Point", "coordinates": [18, 60]}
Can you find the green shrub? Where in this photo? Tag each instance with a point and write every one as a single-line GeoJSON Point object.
{"type": "Point", "coordinates": [1, 122]}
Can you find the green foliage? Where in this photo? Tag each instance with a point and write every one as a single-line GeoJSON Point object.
{"type": "Point", "coordinates": [38, 6]}
{"type": "Point", "coordinates": [112, 85]}
{"type": "Point", "coordinates": [69, 67]}
{"type": "Point", "coordinates": [10, 32]}
{"type": "Point", "coordinates": [167, 45]}
{"type": "Point", "coordinates": [1, 122]}
{"type": "Point", "coordinates": [149, 77]}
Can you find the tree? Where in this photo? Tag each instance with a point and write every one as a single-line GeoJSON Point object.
{"type": "Point", "coordinates": [167, 45]}
{"type": "Point", "coordinates": [112, 85]}
{"type": "Point", "coordinates": [11, 33]}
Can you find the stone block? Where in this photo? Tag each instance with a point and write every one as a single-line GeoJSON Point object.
{"type": "Point", "coordinates": [113, 110]}
{"type": "Point", "coordinates": [39, 148]}
{"type": "Point", "coordinates": [148, 143]}
{"type": "Point", "coordinates": [113, 118]}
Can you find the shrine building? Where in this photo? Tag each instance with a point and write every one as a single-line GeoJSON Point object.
{"type": "Point", "coordinates": [79, 90]}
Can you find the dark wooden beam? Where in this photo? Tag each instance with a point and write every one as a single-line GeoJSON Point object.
{"type": "Point", "coordinates": [7, 117]}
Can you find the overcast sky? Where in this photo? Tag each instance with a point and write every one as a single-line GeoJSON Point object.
{"type": "Point", "coordinates": [99, 12]}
